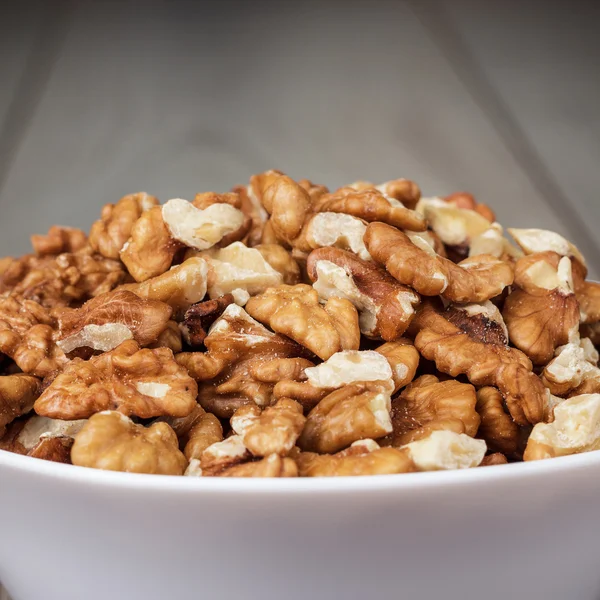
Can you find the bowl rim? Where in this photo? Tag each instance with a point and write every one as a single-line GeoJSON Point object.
{"type": "Point", "coordinates": [508, 473]}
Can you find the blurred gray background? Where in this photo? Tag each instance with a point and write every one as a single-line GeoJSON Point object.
{"type": "Point", "coordinates": [102, 98]}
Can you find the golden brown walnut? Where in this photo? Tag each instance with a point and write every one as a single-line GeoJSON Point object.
{"type": "Point", "coordinates": [475, 279]}
{"type": "Point", "coordinates": [574, 370]}
{"type": "Point", "coordinates": [497, 428]}
{"type": "Point", "coordinates": [354, 412]}
{"type": "Point", "coordinates": [542, 313]}
{"type": "Point", "coordinates": [222, 455]}
{"type": "Point", "coordinates": [17, 395]}
{"type": "Point", "coordinates": [315, 190]}
{"type": "Point", "coordinates": [456, 353]}
{"type": "Point", "coordinates": [112, 441]}
{"type": "Point", "coordinates": [403, 190]}
{"type": "Point", "coordinates": [56, 449]}
{"type": "Point", "coordinates": [179, 287]}
{"type": "Point", "coordinates": [288, 205]}
{"type": "Point", "coordinates": [230, 372]}
{"type": "Point", "coordinates": [427, 400]}
{"type": "Point", "coordinates": [359, 459]}
{"type": "Point", "coordinates": [588, 296]}
{"type": "Point", "coordinates": [371, 205]}
{"type": "Point", "coordinates": [575, 429]}
{"type": "Point", "coordinates": [385, 306]}
{"type": "Point", "coordinates": [199, 317]}
{"type": "Point", "coordinates": [403, 358]}
{"type": "Point", "coordinates": [109, 234]}
{"type": "Point", "coordinates": [58, 240]}
{"type": "Point", "coordinates": [205, 432]}
{"type": "Point", "coordinates": [145, 383]}
{"type": "Point", "coordinates": [62, 280]}
{"type": "Point", "coordinates": [295, 311]}
{"type": "Point", "coordinates": [281, 260]}
{"type": "Point", "coordinates": [497, 458]}
{"type": "Point", "coordinates": [271, 466]}
{"type": "Point", "coordinates": [170, 338]}
{"type": "Point", "coordinates": [274, 431]}
{"type": "Point", "coordinates": [27, 336]}
{"type": "Point", "coordinates": [109, 319]}
{"type": "Point", "coordinates": [150, 249]}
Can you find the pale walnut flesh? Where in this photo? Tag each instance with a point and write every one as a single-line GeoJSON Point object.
{"type": "Point", "coordinates": [112, 441]}
{"type": "Point", "coordinates": [109, 319]}
{"type": "Point", "coordinates": [575, 429]}
{"type": "Point", "coordinates": [238, 267]}
{"type": "Point", "coordinates": [354, 412]}
{"type": "Point", "coordinates": [336, 230]}
{"type": "Point", "coordinates": [428, 400]}
{"type": "Point", "coordinates": [295, 311]}
{"type": "Point", "coordinates": [179, 287]}
{"type": "Point", "coordinates": [145, 383]}
{"type": "Point", "coordinates": [446, 450]}
{"type": "Point", "coordinates": [455, 352]}
{"type": "Point", "coordinates": [201, 228]}
{"type": "Point", "coordinates": [385, 307]}
{"type": "Point", "coordinates": [350, 366]}
{"type": "Point", "coordinates": [109, 234]}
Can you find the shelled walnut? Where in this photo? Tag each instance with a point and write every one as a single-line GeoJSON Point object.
{"type": "Point", "coordinates": [284, 330]}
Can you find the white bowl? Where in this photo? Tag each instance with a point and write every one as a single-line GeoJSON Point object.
{"type": "Point", "coordinates": [528, 530]}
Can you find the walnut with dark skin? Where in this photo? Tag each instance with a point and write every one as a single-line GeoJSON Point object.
{"type": "Point", "coordinates": [199, 317]}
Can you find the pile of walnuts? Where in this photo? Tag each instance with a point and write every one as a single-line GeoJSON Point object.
{"type": "Point", "coordinates": [284, 330]}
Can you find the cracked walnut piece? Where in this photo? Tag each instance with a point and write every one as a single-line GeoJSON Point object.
{"type": "Point", "coordinates": [403, 190]}
{"type": "Point", "coordinates": [145, 383]}
{"type": "Point", "coordinates": [295, 311]}
{"type": "Point", "coordinates": [109, 234]}
{"type": "Point", "coordinates": [275, 430]}
{"type": "Point", "coordinates": [17, 395]}
{"type": "Point", "coordinates": [58, 240]}
{"type": "Point", "coordinates": [354, 412]}
{"type": "Point", "coordinates": [446, 450]}
{"type": "Point", "coordinates": [542, 313]}
{"type": "Point", "coordinates": [385, 306]}
{"type": "Point", "coordinates": [112, 441]}
{"type": "Point", "coordinates": [500, 432]}
{"type": "Point", "coordinates": [202, 228]}
{"type": "Point", "coordinates": [108, 320]}
{"type": "Point", "coordinates": [426, 401]}
{"type": "Point", "coordinates": [236, 370]}
{"type": "Point", "coordinates": [364, 457]}
{"type": "Point", "coordinates": [371, 205]}
{"type": "Point", "coordinates": [27, 336]}
{"type": "Point", "coordinates": [475, 279]}
{"type": "Point", "coordinates": [150, 249]}
{"type": "Point", "coordinates": [575, 429]}
{"type": "Point", "coordinates": [458, 350]}
{"type": "Point", "coordinates": [199, 317]}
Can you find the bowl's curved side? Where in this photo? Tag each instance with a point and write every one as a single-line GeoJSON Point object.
{"type": "Point", "coordinates": [530, 532]}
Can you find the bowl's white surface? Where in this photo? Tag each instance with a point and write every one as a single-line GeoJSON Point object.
{"type": "Point", "coordinates": [529, 530]}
